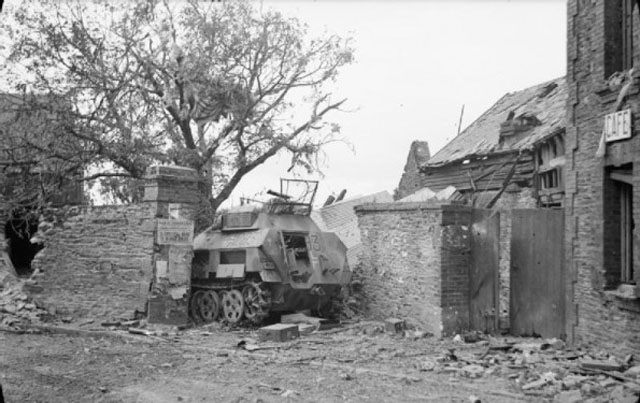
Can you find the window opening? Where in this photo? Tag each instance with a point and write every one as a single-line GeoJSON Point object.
{"type": "Point", "coordinates": [626, 233]}
{"type": "Point", "coordinates": [619, 35]}
{"type": "Point", "coordinates": [618, 227]}
{"type": "Point", "coordinates": [233, 257]}
{"type": "Point", "coordinates": [296, 249]}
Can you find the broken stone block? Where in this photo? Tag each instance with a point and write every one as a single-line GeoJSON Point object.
{"type": "Point", "coordinates": [605, 383]}
{"type": "Point", "coordinates": [473, 370]}
{"type": "Point", "coordinates": [10, 308]}
{"type": "Point", "coordinates": [279, 332]}
{"type": "Point", "coordinates": [545, 379]}
{"type": "Point", "coordinates": [555, 344]}
{"type": "Point", "coordinates": [569, 396]}
{"type": "Point", "coordinates": [394, 325]}
{"type": "Point", "coordinates": [620, 395]}
{"type": "Point", "coordinates": [604, 365]}
{"type": "Point", "coordinates": [305, 328]}
{"type": "Point", "coordinates": [633, 371]}
{"type": "Point", "coordinates": [572, 381]}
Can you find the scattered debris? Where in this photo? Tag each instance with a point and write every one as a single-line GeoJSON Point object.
{"type": "Point", "coordinates": [545, 379]}
{"type": "Point", "coordinates": [288, 393]}
{"type": "Point", "coordinates": [568, 396]}
{"type": "Point", "coordinates": [472, 371]}
{"type": "Point", "coordinates": [16, 307]}
{"type": "Point", "coordinates": [143, 332]}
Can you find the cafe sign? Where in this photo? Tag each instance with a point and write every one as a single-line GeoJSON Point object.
{"type": "Point", "coordinates": [617, 125]}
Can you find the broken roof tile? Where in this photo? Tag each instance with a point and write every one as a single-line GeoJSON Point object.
{"type": "Point", "coordinates": [545, 101]}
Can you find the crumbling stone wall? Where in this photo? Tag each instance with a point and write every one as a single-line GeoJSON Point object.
{"type": "Point", "coordinates": [97, 261]}
{"type": "Point", "coordinates": [113, 261]}
{"type": "Point", "coordinates": [416, 262]}
{"type": "Point", "coordinates": [596, 310]}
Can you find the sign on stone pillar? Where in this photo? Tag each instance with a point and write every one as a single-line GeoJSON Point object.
{"type": "Point", "coordinates": [173, 191]}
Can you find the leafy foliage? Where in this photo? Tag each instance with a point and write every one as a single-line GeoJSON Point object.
{"type": "Point", "coordinates": [219, 87]}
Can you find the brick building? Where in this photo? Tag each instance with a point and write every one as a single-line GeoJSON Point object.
{"type": "Point", "coordinates": [603, 173]}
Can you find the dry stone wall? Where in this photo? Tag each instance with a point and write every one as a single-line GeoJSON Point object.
{"type": "Point", "coordinates": [115, 261]}
{"type": "Point", "coordinates": [415, 263]}
{"type": "Point", "coordinates": [97, 261]}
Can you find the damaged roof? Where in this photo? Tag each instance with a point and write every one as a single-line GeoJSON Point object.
{"type": "Point", "coordinates": [545, 102]}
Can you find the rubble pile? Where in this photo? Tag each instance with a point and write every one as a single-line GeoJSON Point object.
{"type": "Point", "coordinates": [546, 369]}
{"type": "Point", "coordinates": [16, 307]}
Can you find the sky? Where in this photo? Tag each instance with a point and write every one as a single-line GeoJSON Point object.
{"type": "Point", "coordinates": [417, 63]}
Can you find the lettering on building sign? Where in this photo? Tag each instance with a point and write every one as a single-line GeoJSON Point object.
{"type": "Point", "coordinates": [617, 125]}
{"type": "Point", "coordinates": [174, 232]}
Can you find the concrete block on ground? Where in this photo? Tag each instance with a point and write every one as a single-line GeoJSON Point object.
{"type": "Point", "coordinates": [279, 332]}
{"type": "Point", "coordinates": [394, 325]}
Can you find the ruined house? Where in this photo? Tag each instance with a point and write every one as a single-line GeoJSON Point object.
{"type": "Point", "coordinates": [511, 157]}
{"type": "Point", "coordinates": [517, 145]}
{"type": "Point", "coordinates": [410, 180]}
{"type": "Point", "coordinates": [37, 167]}
{"type": "Point", "coordinates": [602, 202]}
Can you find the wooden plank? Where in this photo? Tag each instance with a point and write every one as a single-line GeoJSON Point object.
{"type": "Point", "coordinates": [484, 271]}
{"type": "Point", "coordinates": [537, 281]}
{"type": "Point", "coordinates": [487, 174]}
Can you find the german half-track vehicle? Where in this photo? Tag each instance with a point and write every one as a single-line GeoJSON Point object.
{"type": "Point", "coordinates": [269, 258]}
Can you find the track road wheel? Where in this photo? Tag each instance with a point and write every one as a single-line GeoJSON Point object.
{"type": "Point", "coordinates": [209, 304]}
{"type": "Point", "coordinates": [257, 302]}
{"type": "Point", "coordinates": [232, 306]}
{"type": "Point", "coordinates": [194, 306]}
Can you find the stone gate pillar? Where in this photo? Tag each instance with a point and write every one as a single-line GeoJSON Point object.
{"type": "Point", "coordinates": [172, 192]}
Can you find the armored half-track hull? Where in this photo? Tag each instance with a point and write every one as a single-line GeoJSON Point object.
{"type": "Point", "coordinates": [256, 262]}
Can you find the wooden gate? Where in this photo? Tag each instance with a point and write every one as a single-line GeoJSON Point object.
{"type": "Point", "coordinates": [484, 271]}
{"type": "Point", "coordinates": [536, 277]}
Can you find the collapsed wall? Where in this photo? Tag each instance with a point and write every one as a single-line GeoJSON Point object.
{"type": "Point", "coordinates": [115, 262]}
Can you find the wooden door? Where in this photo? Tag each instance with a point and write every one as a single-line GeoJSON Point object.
{"type": "Point", "coordinates": [537, 275]}
{"type": "Point", "coordinates": [484, 270]}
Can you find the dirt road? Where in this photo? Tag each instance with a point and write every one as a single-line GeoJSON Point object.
{"type": "Point", "coordinates": [360, 364]}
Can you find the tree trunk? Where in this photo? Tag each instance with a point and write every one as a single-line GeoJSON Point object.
{"type": "Point", "coordinates": [206, 211]}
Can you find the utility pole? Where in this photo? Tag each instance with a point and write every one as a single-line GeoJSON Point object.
{"type": "Point", "coordinates": [460, 122]}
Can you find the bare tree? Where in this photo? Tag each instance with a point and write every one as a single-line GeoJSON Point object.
{"type": "Point", "coordinates": [219, 87]}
